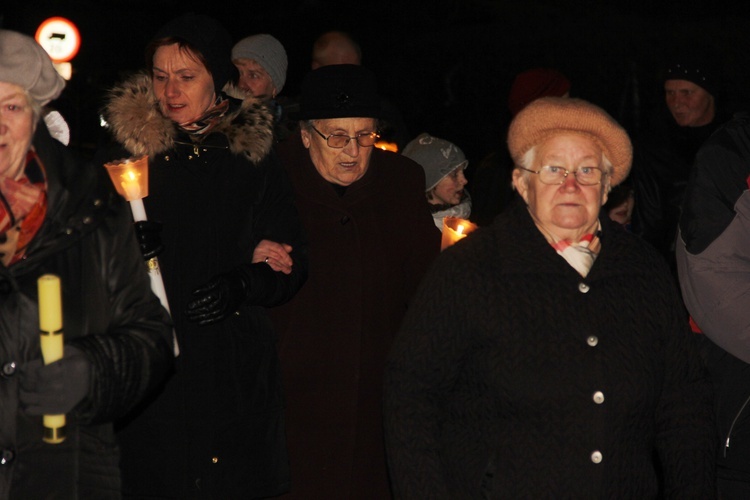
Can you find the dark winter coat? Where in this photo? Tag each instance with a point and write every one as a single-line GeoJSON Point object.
{"type": "Point", "coordinates": [662, 162]}
{"type": "Point", "coordinates": [368, 251]}
{"type": "Point", "coordinates": [514, 377]}
{"type": "Point", "coordinates": [713, 258]}
{"type": "Point", "coordinates": [109, 313]}
{"type": "Point", "coordinates": [216, 430]}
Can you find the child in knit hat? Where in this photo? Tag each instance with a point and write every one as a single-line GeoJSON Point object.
{"type": "Point", "coordinates": [444, 164]}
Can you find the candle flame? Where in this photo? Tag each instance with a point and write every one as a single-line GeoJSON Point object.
{"type": "Point", "coordinates": [460, 229]}
{"type": "Point", "coordinates": [130, 185]}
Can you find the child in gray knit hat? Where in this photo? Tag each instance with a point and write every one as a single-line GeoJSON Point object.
{"type": "Point", "coordinates": [443, 163]}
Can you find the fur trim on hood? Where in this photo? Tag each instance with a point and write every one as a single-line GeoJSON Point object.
{"type": "Point", "coordinates": [133, 115]}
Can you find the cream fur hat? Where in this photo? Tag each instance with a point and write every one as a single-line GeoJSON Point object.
{"type": "Point", "coordinates": [25, 63]}
{"type": "Point", "coordinates": [548, 116]}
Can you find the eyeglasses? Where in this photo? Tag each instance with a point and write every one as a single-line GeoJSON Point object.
{"type": "Point", "coordinates": [339, 141]}
{"type": "Point", "coordinates": [585, 176]}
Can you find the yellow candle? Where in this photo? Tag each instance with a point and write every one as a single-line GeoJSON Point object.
{"type": "Point", "coordinates": [51, 340]}
{"type": "Point", "coordinates": [50, 303]}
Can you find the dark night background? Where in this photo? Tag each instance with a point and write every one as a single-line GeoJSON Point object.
{"type": "Point", "coordinates": [447, 64]}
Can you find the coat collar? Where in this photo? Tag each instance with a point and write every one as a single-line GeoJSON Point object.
{"type": "Point", "coordinates": [133, 116]}
{"type": "Point", "coordinates": [518, 245]}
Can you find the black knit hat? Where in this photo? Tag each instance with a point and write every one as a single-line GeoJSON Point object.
{"type": "Point", "coordinates": [339, 91]}
{"type": "Point", "coordinates": [699, 65]}
{"type": "Point", "coordinates": [207, 36]}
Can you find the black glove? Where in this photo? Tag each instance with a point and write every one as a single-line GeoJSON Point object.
{"type": "Point", "coordinates": [149, 239]}
{"type": "Point", "coordinates": [57, 387]}
{"type": "Point", "coordinates": [221, 297]}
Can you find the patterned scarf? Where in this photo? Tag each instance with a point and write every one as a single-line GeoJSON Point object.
{"type": "Point", "coordinates": [581, 254]}
{"type": "Point", "coordinates": [23, 205]}
{"type": "Point", "coordinates": [203, 125]}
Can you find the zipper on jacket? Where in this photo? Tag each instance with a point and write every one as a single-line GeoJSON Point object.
{"type": "Point", "coordinates": [734, 422]}
{"type": "Point", "coordinates": [198, 147]}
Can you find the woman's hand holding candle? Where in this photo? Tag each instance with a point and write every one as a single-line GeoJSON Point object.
{"type": "Point", "coordinates": [55, 388]}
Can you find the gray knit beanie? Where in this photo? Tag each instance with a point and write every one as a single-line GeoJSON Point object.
{"type": "Point", "coordinates": [437, 157]}
{"type": "Point", "coordinates": [266, 51]}
{"type": "Point", "coordinates": [25, 63]}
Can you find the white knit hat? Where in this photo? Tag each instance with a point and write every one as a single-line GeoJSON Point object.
{"type": "Point", "coordinates": [25, 63]}
{"type": "Point", "coordinates": [266, 51]}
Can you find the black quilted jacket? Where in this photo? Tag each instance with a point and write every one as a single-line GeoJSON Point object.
{"type": "Point", "coordinates": [109, 313]}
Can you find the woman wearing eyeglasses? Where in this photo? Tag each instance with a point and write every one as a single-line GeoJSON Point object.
{"type": "Point", "coordinates": [371, 238]}
{"type": "Point", "coordinates": [548, 356]}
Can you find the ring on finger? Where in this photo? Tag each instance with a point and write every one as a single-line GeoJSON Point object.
{"type": "Point", "coordinates": [265, 260]}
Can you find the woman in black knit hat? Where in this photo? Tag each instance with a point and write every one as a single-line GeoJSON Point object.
{"type": "Point", "coordinates": [216, 429]}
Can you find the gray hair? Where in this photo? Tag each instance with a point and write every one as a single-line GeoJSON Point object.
{"type": "Point", "coordinates": [309, 124]}
{"type": "Point", "coordinates": [36, 107]}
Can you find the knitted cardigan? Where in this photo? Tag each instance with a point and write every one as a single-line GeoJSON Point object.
{"type": "Point", "coordinates": [513, 377]}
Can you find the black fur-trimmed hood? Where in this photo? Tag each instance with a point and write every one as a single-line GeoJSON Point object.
{"type": "Point", "coordinates": [133, 116]}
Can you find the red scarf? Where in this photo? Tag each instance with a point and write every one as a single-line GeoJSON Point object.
{"type": "Point", "coordinates": [23, 205]}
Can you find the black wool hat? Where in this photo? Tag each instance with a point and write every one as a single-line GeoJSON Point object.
{"type": "Point", "coordinates": [339, 91]}
{"type": "Point", "coordinates": [210, 38]}
{"type": "Point", "coordinates": [698, 65]}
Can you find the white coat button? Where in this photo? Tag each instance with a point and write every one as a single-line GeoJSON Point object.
{"type": "Point", "coordinates": [596, 457]}
{"type": "Point", "coordinates": [598, 397]}
{"type": "Point", "coordinates": [583, 288]}
{"type": "Point", "coordinates": [6, 456]}
{"type": "Point", "coordinates": [592, 340]}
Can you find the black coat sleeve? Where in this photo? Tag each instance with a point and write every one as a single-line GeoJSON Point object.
{"type": "Point", "coordinates": [276, 219]}
{"type": "Point", "coordinates": [135, 352]}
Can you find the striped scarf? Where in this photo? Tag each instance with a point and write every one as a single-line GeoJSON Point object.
{"type": "Point", "coordinates": [581, 254]}
{"type": "Point", "coordinates": [203, 125]}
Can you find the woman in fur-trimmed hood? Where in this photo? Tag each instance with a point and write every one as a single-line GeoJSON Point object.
{"type": "Point", "coordinates": [216, 430]}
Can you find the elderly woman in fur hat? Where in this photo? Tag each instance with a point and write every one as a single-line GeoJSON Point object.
{"type": "Point", "coordinates": [60, 216]}
{"type": "Point", "coordinates": [548, 355]}
{"type": "Point", "coordinates": [216, 429]}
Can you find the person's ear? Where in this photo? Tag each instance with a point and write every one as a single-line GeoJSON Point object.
{"type": "Point", "coordinates": [306, 139]}
{"type": "Point", "coordinates": [521, 184]}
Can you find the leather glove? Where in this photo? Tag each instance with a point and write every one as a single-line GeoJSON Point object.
{"type": "Point", "coordinates": [57, 387]}
{"type": "Point", "coordinates": [149, 238]}
{"type": "Point", "coordinates": [219, 298]}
